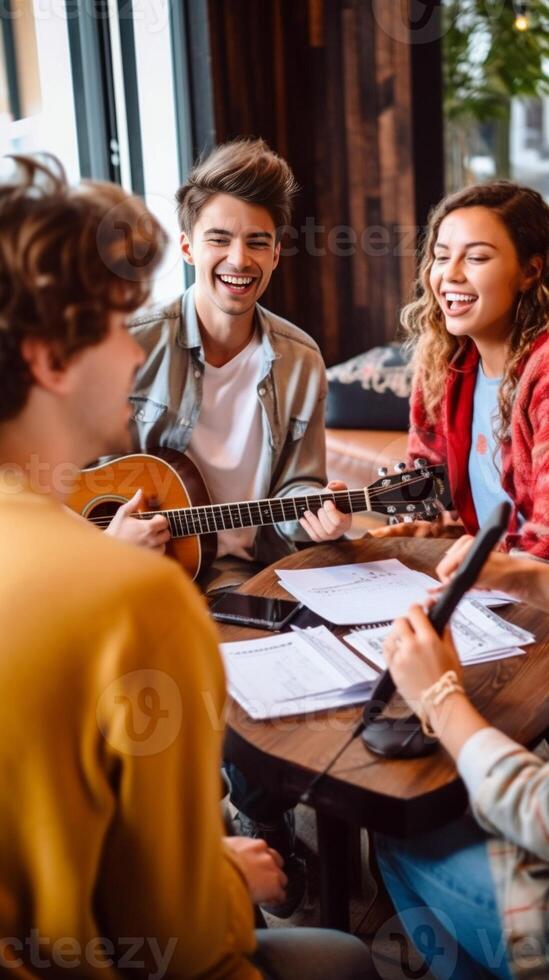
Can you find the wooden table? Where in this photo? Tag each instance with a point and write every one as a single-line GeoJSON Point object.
{"type": "Point", "coordinates": [399, 797]}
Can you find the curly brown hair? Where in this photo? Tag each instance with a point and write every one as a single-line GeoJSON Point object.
{"type": "Point", "coordinates": [245, 168]}
{"type": "Point", "coordinates": [526, 218]}
{"type": "Point", "coordinates": [69, 256]}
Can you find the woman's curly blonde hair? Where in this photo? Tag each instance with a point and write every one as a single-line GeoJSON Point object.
{"type": "Point", "coordinates": [69, 256]}
{"type": "Point", "coordinates": [526, 218]}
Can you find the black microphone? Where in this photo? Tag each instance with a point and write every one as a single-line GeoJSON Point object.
{"type": "Point", "coordinates": [403, 738]}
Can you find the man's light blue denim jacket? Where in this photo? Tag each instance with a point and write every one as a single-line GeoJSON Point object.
{"type": "Point", "coordinates": [292, 392]}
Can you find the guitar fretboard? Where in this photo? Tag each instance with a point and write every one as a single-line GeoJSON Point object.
{"type": "Point", "coordinates": [254, 513]}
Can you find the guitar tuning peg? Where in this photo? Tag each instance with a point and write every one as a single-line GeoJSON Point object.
{"type": "Point", "coordinates": [419, 463]}
{"type": "Point", "coordinates": [382, 471]}
{"type": "Point", "coordinates": [394, 520]}
{"type": "Point", "coordinates": [400, 467]}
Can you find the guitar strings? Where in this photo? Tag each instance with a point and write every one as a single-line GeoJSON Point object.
{"type": "Point", "coordinates": [323, 493]}
{"type": "Point", "coordinates": [374, 493]}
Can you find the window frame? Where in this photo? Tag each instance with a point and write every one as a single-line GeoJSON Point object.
{"type": "Point", "coordinates": [10, 58]}
{"type": "Point", "coordinates": [93, 89]}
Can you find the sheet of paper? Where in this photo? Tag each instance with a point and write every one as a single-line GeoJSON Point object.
{"type": "Point", "coordinates": [304, 706]}
{"type": "Point", "coordinates": [359, 593]}
{"type": "Point", "coordinates": [479, 634]}
{"type": "Point", "coordinates": [498, 655]}
{"type": "Point", "coordinates": [491, 598]}
{"type": "Point", "coordinates": [369, 642]}
{"type": "Point", "coordinates": [289, 674]}
{"type": "Point", "coordinates": [368, 592]}
{"type": "Point", "coordinates": [478, 631]}
{"type": "Point", "coordinates": [351, 669]}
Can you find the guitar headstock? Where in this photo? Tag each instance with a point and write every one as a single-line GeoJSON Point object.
{"type": "Point", "coordinates": [411, 495]}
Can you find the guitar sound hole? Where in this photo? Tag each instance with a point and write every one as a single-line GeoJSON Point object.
{"type": "Point", "coordinates": [105, 509]}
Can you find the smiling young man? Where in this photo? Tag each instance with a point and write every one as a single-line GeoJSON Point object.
{"type": "Point", "coordinates": [239, 390]}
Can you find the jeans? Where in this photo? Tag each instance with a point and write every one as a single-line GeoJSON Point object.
{"type": "Point", "coordinates": [257, 803]}
{"type": "Point", "coordinates": [311, 954]}
{"type": "Point", "coordinates": [441, 886]}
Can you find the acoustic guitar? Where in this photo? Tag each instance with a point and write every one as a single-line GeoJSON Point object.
{"type": "Point", "coordinates": [173, 486]}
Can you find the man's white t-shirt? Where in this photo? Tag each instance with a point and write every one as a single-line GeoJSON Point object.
{"type": "Point", "coordinates": [227, 440]}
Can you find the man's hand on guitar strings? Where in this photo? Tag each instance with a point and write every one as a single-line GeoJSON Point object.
{"type": "Point", "coordinates": [152, 533]}
{"type": "Point", "coordinates": [328, 523]}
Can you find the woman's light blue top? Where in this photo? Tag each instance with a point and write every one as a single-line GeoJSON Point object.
{"type": "Point", "coordinates": [484, 463]}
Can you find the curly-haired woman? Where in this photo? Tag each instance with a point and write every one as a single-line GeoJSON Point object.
{"type": "Point", "coordinates": [479, 329]}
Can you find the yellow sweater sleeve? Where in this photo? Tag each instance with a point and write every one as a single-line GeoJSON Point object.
{"type": "Point", "coordinates": [165, 871]}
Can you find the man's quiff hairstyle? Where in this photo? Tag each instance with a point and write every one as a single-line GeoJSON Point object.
{"type": "Point", "coordinates": [69, 257]}
{"type": "Point", "coordinates": [247, 169]}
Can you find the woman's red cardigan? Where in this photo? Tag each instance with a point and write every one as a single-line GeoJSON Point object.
{"type": "Point", "coordinates": [524, 456]}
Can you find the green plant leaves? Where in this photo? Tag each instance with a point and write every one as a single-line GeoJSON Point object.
{"type": "Point", "coordinates": [487, 60]}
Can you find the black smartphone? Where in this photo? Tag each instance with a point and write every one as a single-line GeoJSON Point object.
{"type": "Point", "coordinates": [253, 610]}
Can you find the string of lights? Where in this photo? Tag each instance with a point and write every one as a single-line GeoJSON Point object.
{"type": "Point", "coordinates": [522, 21]}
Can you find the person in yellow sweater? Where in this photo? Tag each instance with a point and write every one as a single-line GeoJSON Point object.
{"type": "Point", "coordinates": [111, 850]}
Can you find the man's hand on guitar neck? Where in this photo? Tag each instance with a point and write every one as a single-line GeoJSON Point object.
{"type": "Point", "coordinates": [328, 523]}
{"type": "Point", "coordinates": [153, 533]}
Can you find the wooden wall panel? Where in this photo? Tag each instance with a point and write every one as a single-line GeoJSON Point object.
{"type": "Point", "coordinates": [329, 89]}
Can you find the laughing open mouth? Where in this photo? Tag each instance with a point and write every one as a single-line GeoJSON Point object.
{"type": "Point", "coordinates": [238, 284]}
{"type": "Point", "coordinates": [459, 302]}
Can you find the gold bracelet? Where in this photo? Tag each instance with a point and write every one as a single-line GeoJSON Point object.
{"type": "Point", "coordinates": [434, 695]}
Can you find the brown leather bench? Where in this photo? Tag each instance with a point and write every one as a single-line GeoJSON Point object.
{"type": "Point", "coordinates": [372, 388]}
{"type": "Point", "coordinates": [355, 455]}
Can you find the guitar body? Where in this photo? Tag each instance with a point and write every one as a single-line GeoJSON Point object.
{"type": "Point", "coordinates": [169, 481]}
